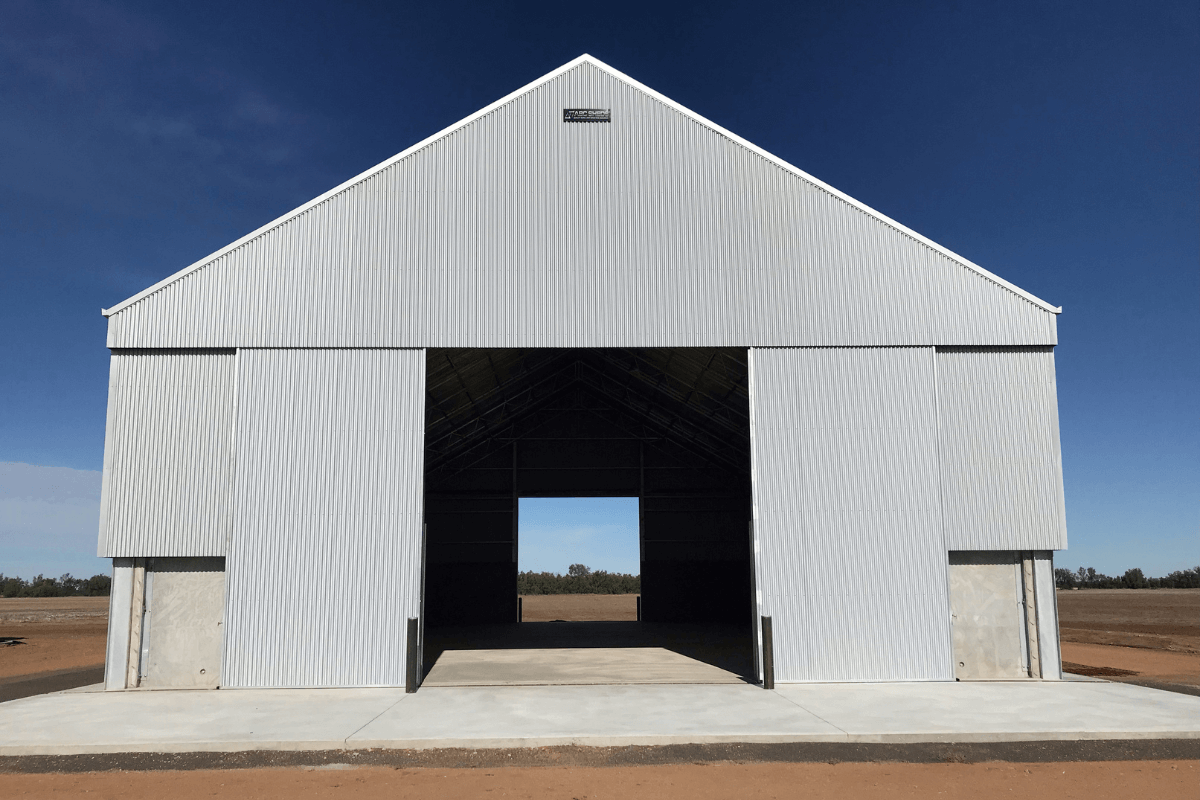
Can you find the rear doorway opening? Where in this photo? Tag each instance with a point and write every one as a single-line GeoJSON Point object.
{"type": "Point", "coordinates": [578, 559]}
{"type": "Point", "coordinates": [510, 433]}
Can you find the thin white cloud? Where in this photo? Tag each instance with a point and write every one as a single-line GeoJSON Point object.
{"type": "Point", "coordinates": [48, 520]}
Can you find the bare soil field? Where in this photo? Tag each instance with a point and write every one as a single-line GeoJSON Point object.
{"type": "Point", "coordinates": [1145, 634]}
{"type": "Point", "coordinates": [579, 607]}
{"type": "Point", "coordinates": [1158, 619]}
{"type": "Point", "coordinates": [59, 633]}
{"type": "Point", "coordinates": [1162, 780]}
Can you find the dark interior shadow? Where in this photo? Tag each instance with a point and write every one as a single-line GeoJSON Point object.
{"type": "Point", "coordinates": [726, 647]}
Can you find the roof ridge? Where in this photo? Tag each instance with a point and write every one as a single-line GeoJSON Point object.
{"type": "Point", "coordinates": [615, 73]}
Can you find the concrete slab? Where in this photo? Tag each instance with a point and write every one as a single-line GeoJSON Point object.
{"type": "Point", "coordinates": [997, 711]}
{"type": "Point", "coordinates": [90, 688]}
{"type": "Point", "coordinates": [592, 715]}
{"type": "Point", "coordinates": [523, 716]}
{"type": "Point", "coordinates": [572, 666]}
{"type": "Point", "coordinates": [189, 721]}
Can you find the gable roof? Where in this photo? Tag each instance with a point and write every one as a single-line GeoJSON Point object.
{"type": "Point", "coordinates": [899, 243]}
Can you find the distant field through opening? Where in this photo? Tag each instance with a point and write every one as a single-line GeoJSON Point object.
{"type": "Point", "coordinates": [578, 559]}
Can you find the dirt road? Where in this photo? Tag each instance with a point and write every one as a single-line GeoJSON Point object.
{"type": "Point", "coordinates": [1162, 780]}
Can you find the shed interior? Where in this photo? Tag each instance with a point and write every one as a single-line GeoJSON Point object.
{"type": "Point", "coordinates": [667, 425]}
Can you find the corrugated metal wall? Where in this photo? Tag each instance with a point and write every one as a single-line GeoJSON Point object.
{"type": "Point", "coordinates": [168, 453]}
{"type": "Point", "coordinates": [324, 566]}
{"type": "Point", "coordinates": [1001, 463]}
{"type": "Point", "coordinates": [851, 560]}
{"type": "Point", "coordinates": [519, 230]}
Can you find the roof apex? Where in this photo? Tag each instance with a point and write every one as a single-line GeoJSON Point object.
{"type": "Point", "coordinates": [584, 58]}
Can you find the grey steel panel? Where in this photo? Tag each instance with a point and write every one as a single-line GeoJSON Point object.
{"type": "Point", "coordinates": [324, 566]}
{"type": "Point", "coordinates": [167, 455]}
{"type": "Point", "coordinates": [851, 559]}
{"type": "Point", "coordinates": [1002, 482]}
{"type": "Point", "coordinates": [519, 230]}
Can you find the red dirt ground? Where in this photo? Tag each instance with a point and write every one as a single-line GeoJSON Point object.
{"type": "Point", "coordinates": [579, 607]}
{"type": "Point", "coordinates": [1161, 780]}
{"type": "Point", "coordinates": [60, 633]}
{"type": "Point", "coordinates": [1153, 634]}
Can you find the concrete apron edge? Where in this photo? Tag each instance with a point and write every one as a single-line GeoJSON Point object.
{"type": "Point", "coordinates": [586, 741]}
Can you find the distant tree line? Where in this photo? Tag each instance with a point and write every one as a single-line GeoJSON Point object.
{"type": "Point", "coordinates": [66, 586]}
{"type": "Point", "coordinates": [1088, 578]}
{"type": "Point", "coordinates": [578, 580]}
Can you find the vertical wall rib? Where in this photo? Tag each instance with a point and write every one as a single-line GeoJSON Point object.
{"type": "Point", "coordinates": [520, 230]}
{"type": "Point", "coordinates": [852, 561]}
{"type": "Point", "coordinates": [1001, 464]}
{"type": "Point", "coordinates": [167, 455]}
{"type": "Point", "coordinates": [324, 566]}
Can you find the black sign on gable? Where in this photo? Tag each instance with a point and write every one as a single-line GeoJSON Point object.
{"type": "Point", "coordinates": [587, 115]}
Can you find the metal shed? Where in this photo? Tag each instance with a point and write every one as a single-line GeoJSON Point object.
{"type": "Point", "coordinates": [322, 430]}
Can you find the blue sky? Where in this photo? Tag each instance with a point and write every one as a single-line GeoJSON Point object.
{"type": "Point", "coordinates": [598, 532]}
{"type": "Point", "coordinates": [1054, 144]}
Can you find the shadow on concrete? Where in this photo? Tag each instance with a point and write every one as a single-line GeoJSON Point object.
{"type": "Point", "coordinates": [727, 647]}
{"type": "Point", "coordinates": [46, 682]}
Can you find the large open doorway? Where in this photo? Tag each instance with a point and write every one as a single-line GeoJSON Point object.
{"type": "Point", "coordinates": [669, 427]}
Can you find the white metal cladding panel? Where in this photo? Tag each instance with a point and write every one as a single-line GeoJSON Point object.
{"type": "Point", "coordinates": [120, 600]}
{"type": "Point", "coordinates": [851, 560]}
{"type": "Point", "coordinates": [168, 453]}
{"type": "Point", "coordinates": [519, 230]}
{"type": "Point", "coordinates": [324, 567]}
{"type": "Point", "coordinates": [1002, 481]}
{"type": "Point", "coordinates": [1049, 652]}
